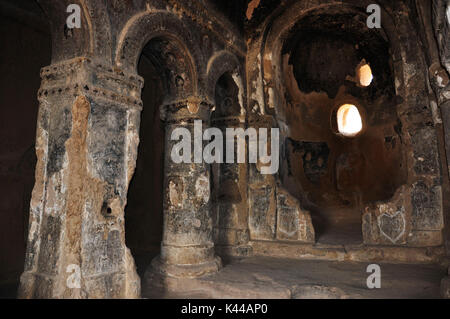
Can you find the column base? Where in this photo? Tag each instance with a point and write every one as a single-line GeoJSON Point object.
{"type": "Point", "coordinates": [184, 271]}
{"type": "Point", "coordinates": [26, 285]}
{"type": "Point", "coordinates": [234, 251]}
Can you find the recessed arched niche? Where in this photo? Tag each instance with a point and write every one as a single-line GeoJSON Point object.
{"type": "Point", "coordinates": [342, 145]}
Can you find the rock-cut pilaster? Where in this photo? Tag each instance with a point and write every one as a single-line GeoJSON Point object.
{"type": "Point", "coordinates": [86, 145]}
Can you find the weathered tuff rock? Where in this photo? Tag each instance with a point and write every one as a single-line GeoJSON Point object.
{"type": "Point", "coordinates": [394, 222]}
{"type": "Point", "coordinates": [293, 222]}
{"type": "Point", "coordinates": [88, 135]}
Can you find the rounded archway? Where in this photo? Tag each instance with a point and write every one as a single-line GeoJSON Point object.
{"type": "Point", "coordinates": [333, 67]}
{"type": "Point", "coordinates": [167, 77]}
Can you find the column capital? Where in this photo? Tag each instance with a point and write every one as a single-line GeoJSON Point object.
{"type": "Point", "coordinates": [238, 120]}
{"type": "Point", "coordinates": [188, 110]}
{"type": "Point", "coordinates": [261, 121]}
{"type": "Point", "coordinates": [93, 79]}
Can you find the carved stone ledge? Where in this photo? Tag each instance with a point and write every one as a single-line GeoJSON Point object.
{"type": "Point", "coordinates": [94, 92]}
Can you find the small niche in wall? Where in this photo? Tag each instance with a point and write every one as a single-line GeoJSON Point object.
{"type": "Point", "coordinates": [339, 91]}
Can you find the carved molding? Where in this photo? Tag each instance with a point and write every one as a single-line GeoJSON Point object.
{"type": "Point", "coordinates": [223, 30]}
{"type": "Point", "coordinates": [84, 76]}
{"type": "Point", "coordinates": [187, 110]}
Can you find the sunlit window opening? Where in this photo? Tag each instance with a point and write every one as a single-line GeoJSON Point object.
{"type": "Point", "coordinates": [365, 76]}
{"type": "Point", "coordinates": [448, 12]}
{"type": "Point", "coordinates": [349, 120]}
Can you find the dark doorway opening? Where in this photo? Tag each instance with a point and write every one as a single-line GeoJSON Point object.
{"type": "Point", "coordinates": [144, 211]}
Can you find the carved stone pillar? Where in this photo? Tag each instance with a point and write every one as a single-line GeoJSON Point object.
{"type": "Point", "coordinates": [231, 202]}
{"type": "Point", "coordinates": [187, 248]}
{"type": "Point", "coordinates": [86, 146]}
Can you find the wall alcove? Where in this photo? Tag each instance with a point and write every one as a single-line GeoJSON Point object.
{"type": "Point", "coordinates": [144, 211]}
{"type": "Point", "coordinates": [332, 62]}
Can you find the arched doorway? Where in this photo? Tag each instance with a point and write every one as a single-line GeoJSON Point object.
{"type": "Point", "coordinates": [167, 77]}
{"type": "Point", "coordinates": [144, 210]}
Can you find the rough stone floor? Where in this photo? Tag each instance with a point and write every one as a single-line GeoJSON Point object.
{"type": "Point", "coordinates": [263, 277]}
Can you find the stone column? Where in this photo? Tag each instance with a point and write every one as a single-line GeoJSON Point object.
{"type": "Point", "coordinates": [187, 248]}
{"type": "Point", "coordinates": [231, 202]}
{"type": "Point", "coordinates": [86, 144]}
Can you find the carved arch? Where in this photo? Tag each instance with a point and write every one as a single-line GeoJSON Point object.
{"type": "Point", "coordinates": [67, 43]}
{"type": "Point", "coordinates": [99, 28]}
{"type": "Point", "coordinates": [142, 28]}
{"type": "Point", "coordinates": [409, 70]}
{"type": "Point", "coordinates": [219, 64]}
{"type": "Point", "coordinates": [277, 32]}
